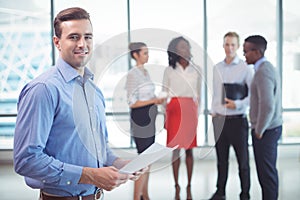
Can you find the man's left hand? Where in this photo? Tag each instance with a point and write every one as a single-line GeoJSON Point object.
{"type": "Point", "coordinates": [229, 104]}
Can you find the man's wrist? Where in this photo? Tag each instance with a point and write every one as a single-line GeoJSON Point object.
{"type": "Point", "coordinates": [86, 175]}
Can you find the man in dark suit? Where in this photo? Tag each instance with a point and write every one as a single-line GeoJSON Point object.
{"type": "Point", "coordinates": [265, 115]}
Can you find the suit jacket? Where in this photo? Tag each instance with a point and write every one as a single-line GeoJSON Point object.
{"type": "Point", "coordinates": [265, 99]}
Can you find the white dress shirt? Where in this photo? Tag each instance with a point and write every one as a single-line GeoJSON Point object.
{"type": "Point", "coordinates": [139, 85]}
{"type": "Point", "coordinates": [180, 82]}
{"type": "Point", "coordinates": [235, 72]}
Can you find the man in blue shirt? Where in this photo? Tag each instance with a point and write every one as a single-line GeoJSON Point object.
{"type": "Point", "coordinates": [60, 142]}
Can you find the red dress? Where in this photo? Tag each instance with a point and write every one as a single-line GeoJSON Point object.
{"type": "Point", "coordinates": [181, 122]}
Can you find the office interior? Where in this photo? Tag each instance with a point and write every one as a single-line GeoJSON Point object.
{"type": "Point", "coordinates": [26, 50]}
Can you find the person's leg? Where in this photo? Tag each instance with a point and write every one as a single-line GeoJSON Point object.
{"type": "Point", "coordinates": [175, 167]}
{"type": "Point", "coordinates": [265, 154]}
{"type": "Point", "coordinates": [138, 187]}
{"type": "Point", "coordinates": [222, 151]}
{"type": "Point", "coordinates": [239, 140]}
{"type": "Point", "coordinates": [147, 142]}
{"type": "Point", "coordinates": [189, 160]}
{"type": "Point", "coordinates": [145, 193]}
{"type": "Point", "coordinates": [141, 185]}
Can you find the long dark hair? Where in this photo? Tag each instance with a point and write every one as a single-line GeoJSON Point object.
{"type": "Point", "coordinates": [173, 56]}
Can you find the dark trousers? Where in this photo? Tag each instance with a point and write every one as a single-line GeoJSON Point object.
{"type": "Point", "coordinates": [232, 131]}
{"type": "Point", "coordinates": [265, 154]}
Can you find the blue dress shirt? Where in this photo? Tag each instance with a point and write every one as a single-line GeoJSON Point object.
{"type": "Point", "coordinates": [60, 129]}
{"type": "Point", "coordinates": [258, 62]}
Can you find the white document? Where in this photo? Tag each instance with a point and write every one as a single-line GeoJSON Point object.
{"type": "Point", "coordinates": [149, 156]}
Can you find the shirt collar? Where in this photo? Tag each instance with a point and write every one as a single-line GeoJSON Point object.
{"type": "Point", "coordinates": [179, 67]}
{"type": "Point", "coordinates": [258, 62]}
{"type": "Point", "coordinates": [235, 61]}
{"type": "Point", "coordinates": [88, 74]}
{"type": "Point", "coordinates": [69, 73]}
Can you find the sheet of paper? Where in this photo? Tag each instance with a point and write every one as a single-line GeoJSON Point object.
{"type": "Point", "coordinates": [149, 156]}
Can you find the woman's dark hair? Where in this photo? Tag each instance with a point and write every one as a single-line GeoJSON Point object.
{"type": "Point", "coordinates": [172, 51]}
{"type": "Point", "coordinates": [68, 14]}
{"type": "Point", "coordinates": [135, 47]}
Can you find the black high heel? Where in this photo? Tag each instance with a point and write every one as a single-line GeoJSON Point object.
{"type": "Point", "coordinates": [141, 197]}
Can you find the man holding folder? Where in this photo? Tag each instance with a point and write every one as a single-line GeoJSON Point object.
{"type": "Point", "coordinates": [230, 101]}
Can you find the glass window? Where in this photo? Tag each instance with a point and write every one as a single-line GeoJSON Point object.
{"type": "Point", "coordinates": [291, 128]}
{"type": "Point", "coordinates": [25, 52]}
{"type": "Point", "coordinates": [246, 17]}
{"type": "Point", "coordinates": [181, 17]}
{"type": "Point", "coordinates": [156, 23]}
{"type": "Point", "coordinates": [291, 54]}
{"type": "Point", "coordinates": [291, 70]}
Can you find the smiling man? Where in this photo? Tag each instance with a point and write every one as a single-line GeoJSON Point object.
{"type": "Point", "coordinates": [60, 142]}
{"type": "Point", "coordinates": [229, 116]}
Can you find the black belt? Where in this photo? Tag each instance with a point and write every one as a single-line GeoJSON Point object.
{"type": "Point", "coordinates": [231, 116]}
{"type": "Point", "coordinates": [97, 196]}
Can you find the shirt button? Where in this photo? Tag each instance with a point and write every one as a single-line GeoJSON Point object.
{"type": "Point", "coordinates": [69, 182]}
{"type": "Point", "coordinates": [44, 181]}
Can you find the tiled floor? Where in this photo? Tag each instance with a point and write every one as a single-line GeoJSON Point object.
{"type": "Point", "coordinates": [161, 186]}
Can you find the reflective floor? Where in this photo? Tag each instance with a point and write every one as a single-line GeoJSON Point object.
{"type": "Point", "coordinates": [161, 185]}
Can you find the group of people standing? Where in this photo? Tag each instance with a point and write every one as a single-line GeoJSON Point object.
{"type": "Point", "coordinates": [182, 84]}
{"type": "Point", "coordinates": [60, 141]}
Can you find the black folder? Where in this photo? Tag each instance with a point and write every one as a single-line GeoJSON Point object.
{"type": "Point", "coordinates": [234, 91]}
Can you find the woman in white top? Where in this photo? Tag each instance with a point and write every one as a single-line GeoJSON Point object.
{"type": "Point", "coordinates": [182, 82]}
{"type": "Point", "coordinates": [143, 109]}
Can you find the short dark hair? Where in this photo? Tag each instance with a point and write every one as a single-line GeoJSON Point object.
{"type": "Point", "coordinates": [68, 14]}
{"type": "Point", "coordinates": [173, 56]}
{"type": "Point", "coordinates": [259, 41]}
{"type": "Point", "coordinates": [135, 47]}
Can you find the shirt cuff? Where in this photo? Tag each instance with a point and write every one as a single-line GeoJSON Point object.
{"type": "Point", "coordinates": [238, 104]}
{"type": "Point", "coordinates": [132, 101]}
{"type": "Point", "coordinates": [71, 174]}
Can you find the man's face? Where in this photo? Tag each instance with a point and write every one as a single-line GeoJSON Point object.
{"type": "Point", "coordinates": [250, 53]}
{"type": "Point", "coordinates": [231, 45]}
{"type": "Point", "coordinates": [76, 42]}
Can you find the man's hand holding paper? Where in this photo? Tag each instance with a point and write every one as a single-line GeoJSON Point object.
{"type": "Point", "coordinates": [140, 163]}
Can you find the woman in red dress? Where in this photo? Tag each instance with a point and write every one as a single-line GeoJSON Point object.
{"type": "Point", "coordinates": [182, 82]}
